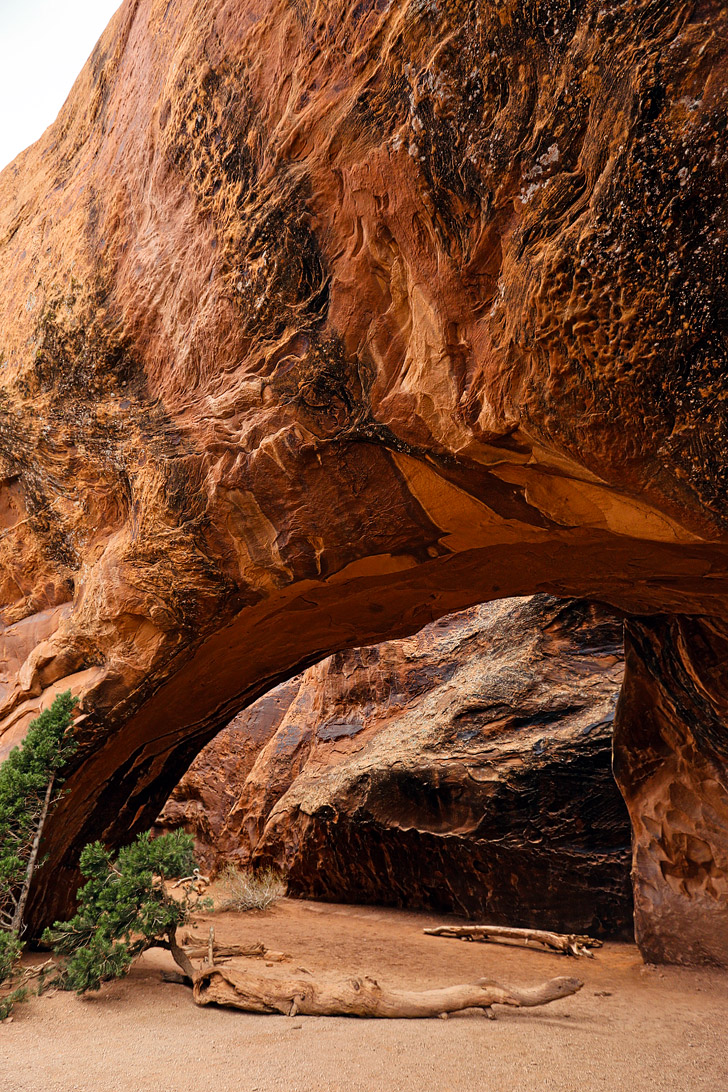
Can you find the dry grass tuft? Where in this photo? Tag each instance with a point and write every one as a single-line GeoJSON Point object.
{"type": "Point", "coordinates": [248, 890]}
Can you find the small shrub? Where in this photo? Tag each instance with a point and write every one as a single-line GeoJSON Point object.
{"type": "Point", "coordinates": [124, 908]}
{"type": "Point", "coordinates": [248, 890]}
{"type": "Point", "coordinates": [30, 783]}
{"type": "Point", "coordinates": [10, 951]}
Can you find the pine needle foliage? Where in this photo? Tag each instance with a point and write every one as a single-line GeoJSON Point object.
{"type": "Point", "coordinates": [30, 783]}
{"type": "Point", "coordinates": [10, 951]}
{"type": "Point", "coordinates": [125, 908]}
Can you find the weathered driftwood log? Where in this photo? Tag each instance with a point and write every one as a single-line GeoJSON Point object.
{"type": "Point", "coordinates": [197, 882]}
{"type": "Point", "coordinates": [565, 943]}
{"type": "Point", "coordinates": [338, 995]}
{"type": "Point", "coordinates": [198, 948]}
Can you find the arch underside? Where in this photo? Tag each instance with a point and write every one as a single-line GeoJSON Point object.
{"type": "Point", "coordinates": [316, 325]}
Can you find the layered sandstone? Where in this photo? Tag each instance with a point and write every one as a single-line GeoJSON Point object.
{"type": "Point", "coordinates": [319, 323]}
{"type": "Point", "coordinates": [466, 769]}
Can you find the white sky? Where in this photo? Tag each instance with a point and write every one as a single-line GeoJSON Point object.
{"type": "Point", "coordinates": [44, 44]}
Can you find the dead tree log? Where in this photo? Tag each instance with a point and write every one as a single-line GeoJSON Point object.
{"type": "Point", "coordinates": [198, 948]}
{"type": "Point", "coordinates": [337, 995]}
{"type": "Point", "coordinates": [196, 882]}
{"type": "Point", "coordinates": [564, 943]}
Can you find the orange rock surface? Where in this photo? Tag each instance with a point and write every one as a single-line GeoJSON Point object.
{"type": "Point", "coordinates": [465, 769]}
{"type": "Point", "coordinates": [319, 323]}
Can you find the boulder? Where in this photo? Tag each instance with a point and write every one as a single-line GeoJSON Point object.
{"type": "Point", "coordinates": [465, 769]}
{"type": "Point", "coordinates": [317, 325]}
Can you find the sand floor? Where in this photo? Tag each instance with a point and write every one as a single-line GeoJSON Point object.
{"type": "Point", "coordinates": [631, 1027]}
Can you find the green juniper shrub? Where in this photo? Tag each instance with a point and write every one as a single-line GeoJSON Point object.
{"type": "Point", "coordinates": [124, 908]}
{"type": "Point", "coordinates": [30, 783]}
{"type": "Point", "coordinates": [10, 951]}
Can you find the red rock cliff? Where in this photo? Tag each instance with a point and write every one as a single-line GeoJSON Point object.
{"type": "Point", "coordinates": [317, 323]}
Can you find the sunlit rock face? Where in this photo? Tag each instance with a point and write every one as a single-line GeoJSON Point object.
{"type": "Point", "coordinates": [467, 769]}
{"type": "Point", "coordinates": [318, 324]}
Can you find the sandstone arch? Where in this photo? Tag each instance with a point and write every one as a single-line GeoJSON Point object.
{"type": "Point", "coordinates": [319, 322]}
{"type": "Point", "coordinates": [465, 769]}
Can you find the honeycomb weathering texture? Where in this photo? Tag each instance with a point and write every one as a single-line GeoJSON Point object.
{"type": "Point", "coordinates": [465, 769]}
{"type": "Point", "coordinates": [671, 748]}
{"type": "Point", "coordinates": [319, 322]}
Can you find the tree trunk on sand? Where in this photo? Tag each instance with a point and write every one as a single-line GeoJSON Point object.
{"type": "Point", "coordinates": [234, 951]}
{"type": "Point", "coordinates": [337, 995]}
{"type": "Point", "coordinates": [179, 955]}
{"type": "Point", "coordinates": [565, 943]}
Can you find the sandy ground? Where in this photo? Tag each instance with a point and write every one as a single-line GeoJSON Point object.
{"type": "Point", "coordinates": [631, 1027]}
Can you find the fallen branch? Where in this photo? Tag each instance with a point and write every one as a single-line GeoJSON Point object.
{"type": "Point", "coordinates": [197, 881]}
{"type": "Point", "coordinates": [15, 988]}
{"type": "Point", "coordinates": [565, 943]}
{"type": "Point", "coordinates": [196, 947]}
{"type": "Point", "coordinates": [25, 976]}
{"type": "Point", "coordinates": [38, 971]}
{"type": "Point", "coordinates": [336, 995]}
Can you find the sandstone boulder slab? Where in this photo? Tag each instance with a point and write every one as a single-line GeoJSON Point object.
{"type": "Point", "coordinates": [465, 769]}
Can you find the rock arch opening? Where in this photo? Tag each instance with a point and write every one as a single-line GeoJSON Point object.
{"type": "Point", "coordinates": [467, 769]}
